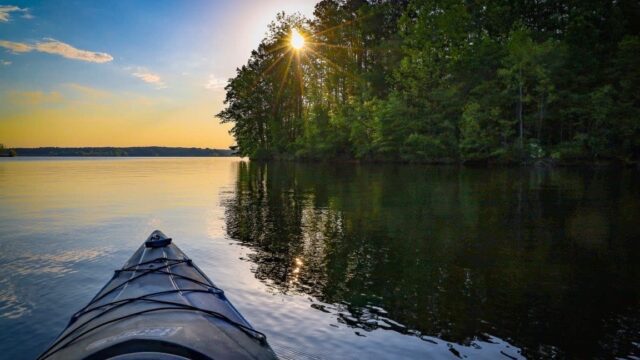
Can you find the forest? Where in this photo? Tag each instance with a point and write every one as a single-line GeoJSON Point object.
{"type": "Point", "coordinates": [444, 81]}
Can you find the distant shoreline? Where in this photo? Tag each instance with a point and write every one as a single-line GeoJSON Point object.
{"type": "Point", "coordinates": [137, 151]}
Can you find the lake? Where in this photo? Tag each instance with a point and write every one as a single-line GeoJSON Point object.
{"type": "Point", "coordinates": [340, 261]}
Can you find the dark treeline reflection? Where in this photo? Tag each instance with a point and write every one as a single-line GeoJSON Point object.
{"type": "Point", "coordinates": [545, 259]}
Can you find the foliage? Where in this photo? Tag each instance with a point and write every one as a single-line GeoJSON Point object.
{"type": "Point", "coordinates": [427, 80]}
{"type": "Point", "coordinates": [6, 151]}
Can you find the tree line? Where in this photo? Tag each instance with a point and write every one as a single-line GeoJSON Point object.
{"type": "Point", "coordinates": [122, 151]}
{"type": "Point", "coordinates": [6, 152]}
{"type": "Point", "coordinates": [444, 81]}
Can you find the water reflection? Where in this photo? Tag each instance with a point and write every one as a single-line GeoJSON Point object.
{"type": "Point", "coordinates": [547, 260]}
{"type": "Point", "coordinates": [13, 304]}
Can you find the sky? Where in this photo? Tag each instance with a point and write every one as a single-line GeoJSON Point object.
{"type": "Point", "coordinates": [124, 72]}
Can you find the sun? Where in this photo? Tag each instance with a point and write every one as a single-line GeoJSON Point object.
{"type": "Point", "coordinates": [296, 40]}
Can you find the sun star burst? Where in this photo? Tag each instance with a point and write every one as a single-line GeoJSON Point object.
{"type": "Point", "coordinates": [297, 40]}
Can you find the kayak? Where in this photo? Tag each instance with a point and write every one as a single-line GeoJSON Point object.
{"type": "Point", "coordinates": [159, 305]}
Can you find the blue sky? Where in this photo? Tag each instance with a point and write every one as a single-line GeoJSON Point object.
{"type": "Point", "coordinates": [124, 72]}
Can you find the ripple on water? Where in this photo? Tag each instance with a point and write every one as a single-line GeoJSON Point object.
{"type": "Point", "coordinates": [37, 269]}
{"type": "Point", "coordinates": [369, 319]}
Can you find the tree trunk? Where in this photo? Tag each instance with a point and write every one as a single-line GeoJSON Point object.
{"type": "Point", "coordinates": [540, 117]}
{"type": "Point", "coordinates": [520, 109]}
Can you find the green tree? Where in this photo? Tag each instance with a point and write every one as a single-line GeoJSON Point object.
{"type": "Point", "coordinates": [443, 80]}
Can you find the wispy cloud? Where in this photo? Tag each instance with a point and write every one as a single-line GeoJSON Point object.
{"type": "Point", "coordinates": [215, 83]}
{"type": "Point", "coordinates": [87, 91]}
{"type": "Point", "coordinates": [52, 46]}
{"type": "Point", "coordinates": [34, 97]}
{"type": "Point", "coordinates": [16, 47]}
{"type": "Point", "coordinates": [149, 77]}
{"type": "Point", "coordinates": [5, 62]}
{"type": "Point", "coordinates": [6, 10]}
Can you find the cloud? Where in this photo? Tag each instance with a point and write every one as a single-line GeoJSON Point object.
{"type": "Point", "coordinates": [5, 62]}
{"type": "Point", "coordinates": [88, 92]}
{"type": "Point", "coordinates": [16, 47]}
{"type": "Point", "coordinates": [149, 77]}
{"type": "Point", "coordinates": [51, 46]}
{"type": "Point", "coordinates": [6, 10]}
{"type": "Point", "coordinates": [214, 83]}
{"type": "Point", "coordinates": [34, 97]}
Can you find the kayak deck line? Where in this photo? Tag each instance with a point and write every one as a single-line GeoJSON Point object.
{"type": "Point", "coordinates": [115, 304]}
{"type": "Point", "coordinates": [125, 285]}
{"type": "Point", "coordinates": [84, 310]}
{"type": "Point", "coordinates": [202, 320]}
{"type": "Point", "coordinates": [164, 254]}
{"type": "Point", "coordinates": [176, 306]}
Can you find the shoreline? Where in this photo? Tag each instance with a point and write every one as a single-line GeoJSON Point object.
{"type": "Point", "coordinates": [131, 151]}
{"type": "Point", "coordinates": [540, 163]}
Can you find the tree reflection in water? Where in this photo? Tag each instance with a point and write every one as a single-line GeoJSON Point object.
{"type": "Point", "coordinates": [547, 260]}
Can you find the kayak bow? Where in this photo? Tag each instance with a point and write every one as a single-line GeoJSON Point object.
{"type": "Point", "coordinates": [160, 305]}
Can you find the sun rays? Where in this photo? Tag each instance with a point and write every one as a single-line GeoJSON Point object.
{"type": "Point", "coordinates": [297, 52]}
{"type": "Point", "coordinates": [312, 47]}
{"type": "Point", "coordinates": [296, 40]}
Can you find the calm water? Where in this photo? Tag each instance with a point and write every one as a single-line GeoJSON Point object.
{"type": "Point", "coordinates": [340, 261]}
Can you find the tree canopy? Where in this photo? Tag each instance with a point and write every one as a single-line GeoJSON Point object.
{"type": "Point", "coordinates": [444, 81]}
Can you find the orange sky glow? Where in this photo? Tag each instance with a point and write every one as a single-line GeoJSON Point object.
{"type": "Point", "coordinates": [113, 73]}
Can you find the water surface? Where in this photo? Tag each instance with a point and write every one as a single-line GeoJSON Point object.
{"type": "Point", "coordinates": [340, 261]}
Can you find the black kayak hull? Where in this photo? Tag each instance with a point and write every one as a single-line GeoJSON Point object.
{"type": "Point", "coordinates": [159, 305]}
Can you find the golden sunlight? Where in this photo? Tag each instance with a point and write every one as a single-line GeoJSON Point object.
{"type": "Point", "coordinates": [297, 40]}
